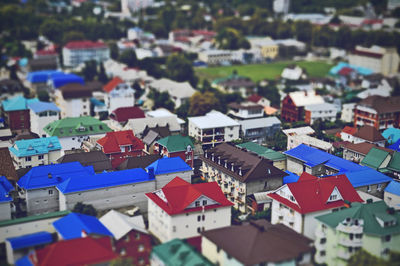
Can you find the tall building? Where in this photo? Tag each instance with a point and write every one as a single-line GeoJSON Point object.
{"type": "Point", "coordinates": [77, 52]}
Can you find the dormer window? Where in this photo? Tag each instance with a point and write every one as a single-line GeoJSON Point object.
{"type": "Point", "coordinates": [332, 197]}
{"type": "Point", "coordinates": [292, 198]}
{"type": "Point", "coordinates": [204, 202]}
{"type": "Point", "coordinates": [197, 203]}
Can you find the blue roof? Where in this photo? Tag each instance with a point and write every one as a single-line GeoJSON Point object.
{"type": "Point", "coordinates": [393, 187]}
{"type": "Point", "coordinates": [391, 134]}
{"type": "Point", "coordinates": [291, 178]}
{"type": "Point", "coordinates": [103, 180]}
{"type": "Point", "coordinates": [312, 157]}
{"type": "Point", "coordinates": [395, 146]}
{"type": "Point", "coordinates": [169, 165]}
{"type": "Point", "coordinates": [96, 102]}
{"type": "Point", "coordinates": [72, 225]}
{"type": "Point", "coordinates": [38, 177]}
{"type": "Point", "coordinates": [17, 103]}
{"type": "Point", "coordinates": [40, 76]}
{"type": "Point", "coordinates": [361, 70]}
{"type": "Point", "coordinates": [30, 147]}
{"type": "Point", "coordinates": [39, 107]}
{"type": "Point", "coordinates": [61, 79]}
{"type": "Point", "coordinates": [5, 189]}
{"type": "Point", "coordinates": [24, 261]}
{"type": "Point", "coordinates": [366, 176]}
{"type": "Point", "coordinates": [30, 240]}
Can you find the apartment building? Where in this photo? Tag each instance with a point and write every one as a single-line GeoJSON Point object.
{"type": "Point", "coordinates": [77, 52]}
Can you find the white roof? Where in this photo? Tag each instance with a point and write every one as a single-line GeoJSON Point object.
{"type": "Point", "coordinates": [162, 112]}
{"type": "Point", "coordinates": [175, 89]}
{"type": "Point", "coordinates": [138, 125]}
{"type": "Point", "coordinates": [303, 98]}
{"type": "Point", "coordinates": [371, 92]}
{"type": "Point", "coordinates": [213, 119]}
{"type": "Point", "coordinates": [321, 107]}
{"type": "Point", "coordinates": [292, 73]}
{"type": "Point", "coordinates": [259, 122]}
{"type": "Point", "coordinates": [120, 224]}
{"type": "Point", "coordinates": [299, 131]}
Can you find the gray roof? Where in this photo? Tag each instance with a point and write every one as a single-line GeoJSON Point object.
{"type": "Point", "coordinates": [138, 125]}
{"type": "Point", "coordinates": [259, 122]}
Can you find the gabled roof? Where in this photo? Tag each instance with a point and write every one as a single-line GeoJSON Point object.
{"type": "Point", "coordinates": [120, 224]}
{"type": "Point", "coordinates": [30, 240]}
{"type": "Point", "coordinates": [391, 134]}
{"type": "Point", "coordinates": [307, 130]}
{"type": "Point", "coordinates": [179, 195]}
{"type": "Point", "coordinates": [381, 104]}
{"type": "Point", "coordinates": [113, 141]}
{"type": "Point", "coordinates": [369, 133]}
{"type": "Point", "coordinates": [123, 114]}
{"type": "Point", "coordinates": [7, 167]}
{"type": "Point", "coordinates": [363, 147]}
{"type": "Point", "coordinates": [394, 163]}
{"type": "Point", "coordinates": [169, 165]}
{"type": "Point", "coordinates": [393, 187]}
{"type": "Point", "coordinates": [312, 193]}
{"type": "Point", "coordinates": [175, 89]}
{"type": "Point", "coordinates": [112, 84]}
{"type": "Point", "coordinates": [262, 151]}
{"type": "Point", "coordinates": [41, 76]}
{"type": "Point", "coordinates": [176, 143]}
{"type": "Point", "coordinates": [366, 176]}
{"type": "Point", "coordinates": [17, 103]}
{"type": "Point", "coordinates": [375, 158]}
{"type": "Point", "coordinates": [97, 159]}
{"type": "Point", "coordinates": [72, 225]}
{"type": "Point", "coordinates": [39, 106]}
{"type": "Point", "coordinates": [250, 243]}
{"type": "Point", "coordinates": [395, 146]}
{"type": "Point", "coordinates": [349, 130]}
{"type": "Point", "coordinates": [33, 218]}
{"type": "Point", "coordinates": [30, 147]}
{"type": "Point", "coordinates": [5, 189]}
{"type": "Point", "coordinates": [139, 125]}
{"type": "Point", "coordinates": [254, 98]}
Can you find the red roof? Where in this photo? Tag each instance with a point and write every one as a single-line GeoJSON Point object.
{"type": "Point", "coordinates": [345, 71]}
{"type": "Point", "coordinates": [79, 251]}
{"type": "Point", "coordinates": [85, 45]}
{"type": "Point", "coordinates": [349, 130]}
{"type": "Point", "coordinates": [46, 52]}
{"type": "Point", "coordinates": [112, 84]}
{"type": "Point", "coordinates": [180, 194]}
{"type": "Point", "coordinates": [113, 140]}
{"type": "Point", "coordinates": [372, 21]}
{"type": "Point", "coordinates": [368, 54]}
{"type": "Point", "coordinates": [123, 114]}
{"type": "Point", "coordinates": [311, 193]}
{"type": "Point", "coordinates": [254, 98]}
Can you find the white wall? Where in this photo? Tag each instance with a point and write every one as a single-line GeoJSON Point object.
{"type": "Point", "coordinates": [162, 180]}
{"type": "Point", "coordinates": [69, 143]}
{"type": "Point", "coordinates": [42, 200]}
{"type": "Point", "coordinates": [232, 133]}
{"type": "Point", "coordinates": [39, 122]}
{"type": "Point", "coordinates": [5, 211]}
{"type": "Point", "coordinates": [392, 200]}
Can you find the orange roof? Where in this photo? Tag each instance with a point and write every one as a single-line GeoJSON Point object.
{"type": "Point", "coordinates": [270, 110]}
{"type": "Point", "coordinates": [112, 84]}
{"type": "Point", "coordinates": [349, 130]}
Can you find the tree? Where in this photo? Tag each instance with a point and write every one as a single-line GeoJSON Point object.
{"type": "Point", "coordinates": [43, 96]}
{"type": "Point", "coordinates": [52, 29]}
{"type": "Point", "coordinates": [114, 51]}
{"type": "Point", "coordinates": [202, 103]}
{"type": "Point", "coordinates": [13, 72]}
{"type": "Point", "coordinates": [180, 69]}
{"type": "Point", "coordinates": [102, 76]}
{"type": "Point", "coordinates": [231, 39]}
{"type": "Point", "coordinates": [73, 36]}
{"type": "Point", "coordinates": [161, 100]}
{"type": "Point", "coordinates": [87, 209]}
{"type": "Point", "coordinates": [90, 70]}
{"type": "Point", "coordinates": [129, 58]}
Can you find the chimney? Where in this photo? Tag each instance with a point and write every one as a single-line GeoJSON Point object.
{"type": "Point", "coordinates": [151, 172]}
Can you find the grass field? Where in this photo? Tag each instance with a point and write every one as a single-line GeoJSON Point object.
{"type": "Point", "coordinates": [263, 71]}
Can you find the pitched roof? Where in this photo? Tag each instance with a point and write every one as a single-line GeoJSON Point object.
{"type": "Point", "coordinates": [7, 167]}
{"type": "Point", "coordinates": [349, 130]}
{"type": "Point", "coordinates": [60, 79]}
{"type": "Point", "coordinates": [167, 165]}
{"type": "Point", "coordinates": [307, 130]}
{"type": "Point", "coordinates": [123, 114]}
{"type": "Point", "coordinates": [393, 187]}
{"type": "Point", "coordinates": [368, 213]}
{"type": "Point", "coordinates": [381, 104]}
{"type": "Point", "coordinates": [39, 106]}
{"type": "Point", "coordinates": [112, 84]}
{"type": "Point", "coordinates": [375, 158]}
{"type": "Point", "coordinates": [177, 196]}
{"type": "Point", "coordinates": [366, 176]}
{"type": "Point", "coordinates": [30, 147]}
{"type": "Point", "coordinates": [72, 225]}
{"type": "Point", "coordinates": [120, 224]}
{"type": "Point", "coordinates": [213, 119]}
{"type": "Point", "coordinates": [391, 134]}
{"type": "Point", "coordinates": [138, 162]}
{"type": "Point", "coordinates": [303, 98]}
{"type": "Point", "coordinates": [76, 126]}
{"type": "Point", "coordinates": [311, 193]}
{"type": "Point", "coordinates": [17, 103]}
{"type": "Point", "coordinates": [369, 133]}
{"type": "Point", "coordinates": [113, 141]}
{"type": "Point", "coordinates": [30, 240]}
{"type": "Point", "coordinates": [363, 147]}
{"type": "Point", "coordinates": [84, 45]}
{"type": "Point", "coordinates": [5, 189]}
{"type": "Point", "coordinates": [175, 89]}
{"type": "Point", "coordinates": [250, 243]}
{"type": "Point", "coordinates": [262, 151]}
{"type": "Point", "coordinates": [394, 163]}
{"type": "Point", "coordinates": [31, 218]}
{"type": "Point", "coordinates": [41, 76]}
{"type": "Point", "coordinates": [254, 98]}
{"type": "Point", "coordinates": [395, 146]}
{"type": "Point", "coordinates": [262, 122]}
{"type": "Point", "coordinates": [97, 159]}
{"type": "Point", "coordinates": [139, 125]}
{"type": "Point", "coordinates": [176, 143]}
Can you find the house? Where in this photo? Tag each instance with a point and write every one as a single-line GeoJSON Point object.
{"type": "Point", "coordinates": [347, 134]}
{"type": "Point", "coordinates": [151, 135]}
{"type": "Point", "coordinates": [324, 112]}
{"type": "Point", "coordinates": [216, 57]}
{"type": "Point", "coordinates": [246, 110]}
{"type": "Point", "coordinates": [41, 114]}
{"type": "Point", "coordinates": [176, 146]}
{"type": "Point", "coordinates": [278, 159]}
{"type": "Point", "coordinates": [183, 210]}
{"type": "Point", "coordinates": [292, 72]}
{"type": "Point", "coordinates": [16, 113]}
{"type": "Point", "coordinates": [38, 186]}
{"type": "Point", "coordinates": [139, 125]}
{"type": "Point", "coordinates": [7, 167]}
{"type": "Point", "coordinates": [295, 140]}
{"type": "Point", "coordinates": [176, 252]}
{"type": "Point", "coordinates": [72, 131]}
{"type": "Point", "coordinates": [213, 128]}
{"type": "Point", "coordinates": [269, 48]}
{"type": "Point", "coordinates": [250, 244]}
{"type": "Point", "coordinates": [257, 99]}
{"type": "Point", "coordinates": [395, 146]}
{"type": "Point", "coordinates": [97, 159]}
{"type": "Point", "coordinates": [371, 227]}
{"type": "Point", "coordinates": [392, 194]}
{"type": "Point", "coordinates": [77, 52]}
{"type": "Point", "coordinates": [369, 134]}
{"type": "Point", "coordinates": [383, 60]}
{"type": "Point", "coordinates": [348, 112]}
{"type": "Point", "coordinates": [58, 79]}
{"type": "Point", "coordinates": [235, 83]}
{"type": "Point", "coordinates": [383, 160]}
{"type": "Point", "coordinates": [357, 152]}
{"type": "Point", "coordinates": [39, 80]}
{"type": "Point", "coordinates": [239, 173]}
{"type": "Point", "coordinates": [293, 105]}
{"type": "Point", "coordinates": [43, 63]}
{"type": "Point", "coordinates": [17, 247]}
{"type": "Point", "coordinates": [392, 135]}
{"type": "Point", "coordinates": [10, 88]}
{"type": "Point", "coordinates": [5, 198]}
{"type": "Point", "coordinates": [120, 145]}
{"type": "Point", "coordinates": [131, 237]}
{"type": "Point", "coordinates": [77, 225]}
{"type": "Point", "coordinates": [73, 100]}
{"type": "Point", "coordinates": [123, 114]}
{"type": "Point", "coordinates": [296, 204]}
{"type": "Point", "coordinates": [259, 129]}
{"type": "Point", "coordinates": [139, 162]}
{"type": "Point", "coordinates": [179, 92]}
{"type": "Point", "coordinates": [33, 152]}
{"type": "Point", "coordinates": [377, 111]}
{"type": "Point", "coordinates": [118, 94]}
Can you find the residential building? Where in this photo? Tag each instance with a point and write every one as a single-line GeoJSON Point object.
{"type": "Point", "coordinates": [281, 6]}
{"type": "Point", "coordinates": [348, 112]}
{"type": "Point", "coordinates": [239, 173]}
{"type": "Point", "coordinates": [176, 146]}
{"type": "Point", "coordinates": [268, 47]}
{"type": "Point", "coordinates": [324, 112]}
{"type": "Point", "coordinates": [383, 160]}
{"type": "Point", "coordinates": [278, 159]}
{"type": "Point", "coordinates": [379, 112]}
{"type": "Point", "coordinates": [357, 152]}
{"type": "Point", "coordinates": [139, 162]}
{"type": "Point", "coordinates": [295, 140]}
{"type": "Point", "coordinates": [152, 135]}
{"type": "Point", "coordinates": [120, 145]}
{"type": "Point", "coordinates": [371, 227]}
{"type": "Point", "coordinates": [118, 94]}
{"type": "Point", "coordinates": [259, 129]}
{"type": "Point", "coordinates": [250, 244]}
{"type": "Point", "coordinates": [235, 83]}
{"type": "Point", "coordinates": [176, 252]}
{"type": "Point", "coordinates": [292, 72]}
{"type": "Point", "coordinates": [257, 99]}
{"type": "Point", "coordinates": [183, 210]}
{"type": "Point", "coordinates": [97, 159]}
{"type": "Point", "coordinates": [347, 134]}
{"type": "Point", "coordinates": [33, 152]}
{"type": "Point", "coordinates": [58, 79]}
{"type": "Point", "coordinates": [16, 113]}
{"type": "Point", "coordinates": [216, 57]}
{"type": "Point", "coordinates": [7, 167]}
{"type": "Point", "coordinates": [78, 52]}
{"type": "Point", "coordinates": [41, 114]}
{"type": "Point", "coordinates": [179, 92]}
{"type": "Point", "coordinates": [5, 198]}
{"type": "Point", "coordinates": [293, 105]}
{"type": "Point", "coordinates": [131, 237]}
{"type": "Point", "coordinates": [213, 128]}
{"type": "Point", "coordinates": [392, 194]}
{"type": "Point", "coordinates": [38, 80]}
{"type": "Point", "coordinates": [10, 88]}
{"type": "Point", "coordinates": [72, 131]}
{"type": "Point", "coordinates": [246, 110]}
{"type": "Point", "coordinates": [296, 204]}
{"type": "Point", "coordinates": [369, 134]}
{"type": "Point", "coordinates": [123, 114]}
{"type": "Point", "coordinates": [378, 59]}
{"type": "Point", "coordinates": [73, 100]}
{"type": "Point", "coordinates": [139, 125]}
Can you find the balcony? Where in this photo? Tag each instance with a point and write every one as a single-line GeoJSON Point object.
{"type": "Point", "coordinates": [347, 242]}
{"type": "Point", "coordinates": [344, 254]}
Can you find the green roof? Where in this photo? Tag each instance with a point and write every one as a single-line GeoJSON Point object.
{"type": "Point", "coordinates": [76, 126]}
{"type": "Point", "coordinates": [176, 143]}
{"type": "Point", "coordinates": [374, 158]}
{"type": "Point", "coordinates": [368, 213]}
{"type": "Point", "coordinates": [394, 163]}
{"type": "Point", "coordinates": [262, 151]}
{"type": "Point", "coordinates": [177, 252]}
{"type": "Point", "coordinates": [34, 218]}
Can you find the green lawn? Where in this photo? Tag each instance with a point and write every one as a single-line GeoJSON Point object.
{"type": "Point", "coordinates": [263, 71]}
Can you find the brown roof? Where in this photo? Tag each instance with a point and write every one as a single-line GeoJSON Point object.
{"type": "Point", "coordinates": [95, 85]}
{"type": "Point", "coordinates": [369, 133]}
{"type": "Point", "coordinates": [382, 104]}
{"type": "Point", "coordinates": [245, 106]}
{"type": "Point", "coordinates": [7, 168]}
{"type": "Point", "coordinates": [138, 162]}
{"type": "Point", "coordinates": [252, 167]}
{"type": "Point", "coordinates": [363, 148]}
{"type": "Point", "coordinates": [97, 159]}
{"type": "Point", "coordinates": [75, 90]}
{"type": "Point", "coordinates": [260, 242]}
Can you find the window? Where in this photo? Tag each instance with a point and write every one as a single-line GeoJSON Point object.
{"type": "Point", "coordinates": [137, 236]}
{"type": "Point", "coordinates": [387, 238]}
{"type": "Point", "coordinates": [174, 228]}
{"type": "Point", "coordinates": [41, 157]}
{"type": "Point", "coordinates": [122, 252]}
{"type": "Point", "coordinates": [322, 253]}
{"type": "Point", "coordinates": [379, 187]}
{"type": "Point", "coordinates": [50, 192]}
{"type": "Point", "coordinates": [197, 203]}
{"type": "Point", "coordinates": [203, 217]}
{"type": "Point", "coordinates": [291, 198]}
{"type": "Point", "coordinates": [322, 241]}
{"type": "Point", "coordinates": [141, 261]}
{"type": "Point", "coordinates": [204, 202]}
{"type": "Point", "coordinates": [368, 188]}
{"type": "Point", "coordinates": [333, 197]}
{"type": "Point", "coordinates": [198, 218]}
{"type": "Point", "coordinates": [28, 159]}
{"type": "Point", "coordinates": [198, 229]}
{"type": "Point", "coordinates": [126, 238]}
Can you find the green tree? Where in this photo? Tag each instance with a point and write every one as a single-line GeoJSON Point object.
{"type": "Point", "coordinates": [52, 29]}
{"type": "Point", "coordinates": [102, 76]}
{"type": "Point", "coordinates": [90, 70]}
{"type": "Point", "coordinates": [87, 209]}
{"type": "Point", "coordinates": [180, 69]}
{"type": "Point", "coordinates": [202, 103]}
{"type": "Point", "coordinates": [43, 96]}
{"type": "Point", "coordinates": [129, 58]}
{"type": "Point", "coordinates": [114, 51]}
{"type": "Point", "coordinates": [73, 36]}
{"type": "Point", "coordinates": [231, 39]}
{"type": "Point", "coordinates": [161, 100]}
